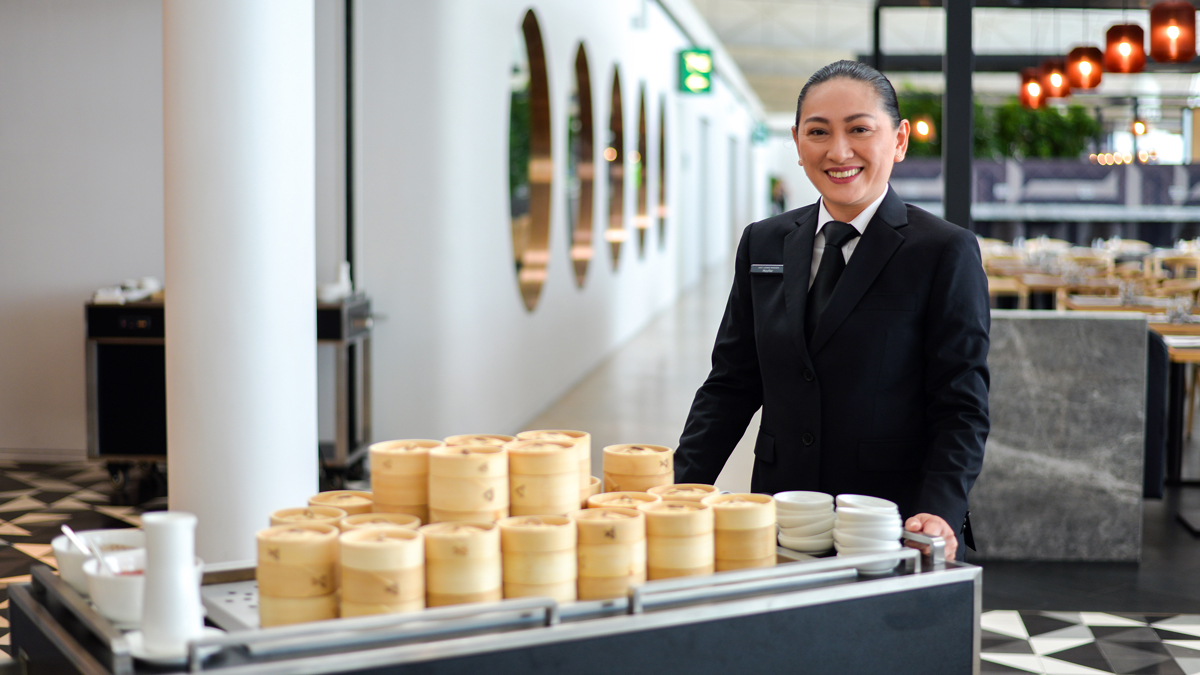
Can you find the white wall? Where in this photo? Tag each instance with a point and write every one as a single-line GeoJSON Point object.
{"type": "Point", "coordinates": [458, 352]}
{"type": "Point", "coordinates": [81, 202]}
{"type": "Point", "coordinates": [81, 191]}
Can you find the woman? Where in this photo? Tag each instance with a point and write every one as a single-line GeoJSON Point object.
{"type": "Point", "coordinates": [859, 324]}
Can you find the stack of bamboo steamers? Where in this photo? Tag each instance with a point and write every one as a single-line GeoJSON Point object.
{"type": "Point", "coordinates": [482, 517]}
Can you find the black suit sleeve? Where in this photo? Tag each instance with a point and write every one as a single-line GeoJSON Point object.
{"type": "Point", "coordinates": [958, 320]}
{"type": "Point", "coordinates": [732, 393]}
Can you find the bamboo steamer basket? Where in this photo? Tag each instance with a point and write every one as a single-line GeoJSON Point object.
{"type": "Point", "coordinates": [286, 611]}
{"type": "Point", "coordinates": [742, 511]}
{"type": "Point", "coordinates": [684, 492]}
{"type": "Point", "coordinates": [593, 488]}
{"type": "Point", "coordinates": [298, 560]}
{"type": "Point", "coordinates": [744, 533]}
{"type": "Point", "coordinates": [539, 556]}
{"type": "Point", "coordinates": [350, 609]}
{"type": "Point", "coordinates": [583, 445]}
{"type": "Point", "coordinates": [383, 565]}
{"type": "Point", "coordinates": [421, 511]}
{"type": "Point", "coordinates": [622, 500]}
{"type": "Point", "coordinates": [611, 552]}
{"type": "Point", "coordinates": [752, 544]}
{"type": "Point", "coordinates": [353, 502]}
{"type": "Point", "coordinates": [468, 481]}
{"type": "Point", "coordinates": [498, 440]}
{"type": "Point", "coordinates": [326, 515]}
{"type": "Point", "coordinates": [406, 489]}
{"type": "Point", "coordinates": [679, 539]}
{"type": "Point", "coordinates": [637, 467]}
{"type": "Point", "coordinates": [726, 565]}
{"type": "Point", "coordinates": [462, 563]}
{"type": "Point", "coordinates": [563, 592]}
{"type": "Point", "coordinates": [443, 516]}
{"type": "Point", "coordinates": [607, 588]}
{"type": "Point", "coordinates": [543, 477]}
{"type": "Point", "coordinates": [362, 520]}
{"type": "Point", "coordinates": [400, 471]}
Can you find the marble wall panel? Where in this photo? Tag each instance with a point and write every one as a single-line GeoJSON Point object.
{"type": "Point", "coordinates": [1062, 474]}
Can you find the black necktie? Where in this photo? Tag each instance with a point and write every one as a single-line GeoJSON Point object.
{"type": "Point", "coordinates": [832, 263]}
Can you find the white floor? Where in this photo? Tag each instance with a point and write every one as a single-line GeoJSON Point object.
{"type": "Point", "coordinates": [642, 393]}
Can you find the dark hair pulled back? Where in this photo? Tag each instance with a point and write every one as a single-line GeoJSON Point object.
{"type": "Point", "coordinates": [854, 70]}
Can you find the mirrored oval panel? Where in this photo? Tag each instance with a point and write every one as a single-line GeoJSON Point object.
{"type": "Point", "coordinates": [581, 168]}
{"type": "Point", "coordinates": [638, 164]}
{"type": "Point", "coordinates": [614, 156]}
{"type": "Point", "coordinates": [530, 169]}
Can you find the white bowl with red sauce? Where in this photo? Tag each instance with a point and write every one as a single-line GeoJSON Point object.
{"type": "Point", "coordinates": [70, 559]}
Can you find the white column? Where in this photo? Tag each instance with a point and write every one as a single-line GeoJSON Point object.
{"type": "Point", "coordinates": [240, 308]}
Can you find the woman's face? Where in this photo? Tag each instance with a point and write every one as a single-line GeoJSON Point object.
{"type": "Point", "coordinates": [847, 144]}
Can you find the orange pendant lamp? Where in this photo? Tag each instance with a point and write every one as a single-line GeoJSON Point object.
{"type": "Point", "coordinates": [1084, 67]}
{"type": "Point", "coordinates": [1032, 95]}
{"type": "Point", "coordinates": [1125, 49]}
{"type": "Point", "coordinates": [1054, 78]}
{"type": "Point", "coordinates": [1173, 32]}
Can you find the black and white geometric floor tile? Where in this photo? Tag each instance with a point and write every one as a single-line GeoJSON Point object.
{"type": "Point", "coordinates": [1088, 643]}
{"type": "Point", "coordinates": [35, 501]}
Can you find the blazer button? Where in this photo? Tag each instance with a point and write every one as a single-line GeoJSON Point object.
{"type": "Point", "coordinates": [807, 438]}
{"type": "Point", "coordinates": [809, 376]}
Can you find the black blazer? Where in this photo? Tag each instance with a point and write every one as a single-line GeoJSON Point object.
{"type": "Point", "coordinates": [889, 399]}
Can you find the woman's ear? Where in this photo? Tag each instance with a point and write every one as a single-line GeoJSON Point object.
{"type": "Point", "coordinates": [902, 140]}
{"type": "Point", "coordinates": [796, 140]}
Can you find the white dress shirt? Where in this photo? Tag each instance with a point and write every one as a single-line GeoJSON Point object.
{"type": "Point", "coordinates": [859, 223]}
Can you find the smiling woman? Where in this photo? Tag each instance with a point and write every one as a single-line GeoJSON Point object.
{"type": "Point", "coordinates": [848, 137]}
{"type": "Point", "coordinates": [858, 324]}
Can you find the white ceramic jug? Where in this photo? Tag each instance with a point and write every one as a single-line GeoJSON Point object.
{"type": "Point", "coordinates": [171, 612]}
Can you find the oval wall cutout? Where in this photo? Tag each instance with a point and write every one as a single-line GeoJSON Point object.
{"type": "Point", "coordinates": [530, 168]}
{"type": "Point", "coordinates": [640, 162]}
{"type": "Point", "coordinates": [614, 155]}
{"type": "Point", "coordinates": [662, 172]}
{"type": "Point", "coordinates": [581, 168]}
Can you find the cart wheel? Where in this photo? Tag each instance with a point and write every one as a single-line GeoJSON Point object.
{"type": "Point", "coordinates": [119, 474]}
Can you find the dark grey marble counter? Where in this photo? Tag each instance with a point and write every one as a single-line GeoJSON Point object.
{"type": "Point", "coordinates": [1062, 475]}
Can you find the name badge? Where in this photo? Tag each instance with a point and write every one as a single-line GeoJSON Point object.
{"type": "Point", "coordinates": [766, 269]}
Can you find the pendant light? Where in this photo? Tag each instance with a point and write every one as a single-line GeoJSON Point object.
{"type": "Point", "coordinates": [1032, 95]}
{"type": "Point", "coordinates": [1084, 67]}
{"type": "Point", "coordinates": [1173, 32]}
{"type": "Point", "coordinates": [1085, 63]}
{"type": "Point", "coordinates": [1054, 78]}
{"type": "Point", "coordinates": [1125, 49]}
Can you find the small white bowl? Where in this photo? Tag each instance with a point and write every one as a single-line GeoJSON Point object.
{"type": "Point", "coordinates": [806, 544]}
{"type": "Point", "coordinates": [848, 514]}
{"type": "Point", "coordinates": [864, 542]}
{"type": "Point", "coordinates": [871, 530]}
{"type": "Point", "coordinates": [808, 530]}
{"type": "Point", "coordinates": [70, 559]}
{"type": "Point", "coordinates": [867, 502]}
{"type": "Point", "coordinates": [804, 520]}
{"type": "Point", "coordinates": [877, 547]}
{"type": "Point", "coordinates": [797, 500]}
{"type": "Point", "coordinates": [118, 596]}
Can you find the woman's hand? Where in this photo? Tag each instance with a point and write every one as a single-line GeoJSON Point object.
{"type": "Point", "coordinates": [933, 526]}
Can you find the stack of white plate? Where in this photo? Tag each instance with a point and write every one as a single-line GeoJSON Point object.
{"type": "Point", "coordinates": [866, 525]}
{"type": "Point", "coordinates": [805, 521]}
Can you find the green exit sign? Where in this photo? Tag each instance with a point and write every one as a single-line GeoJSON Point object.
{"type": "Point", "coordinates": [695, 71]}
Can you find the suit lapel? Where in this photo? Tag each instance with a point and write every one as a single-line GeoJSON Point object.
{"type": "Point", "coordinates": [797, 253]}
{"type": "Point", "coordinates": [879, 241]}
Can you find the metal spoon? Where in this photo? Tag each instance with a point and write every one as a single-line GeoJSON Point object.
{"type": "Point", "coordinates": [89, 547]}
